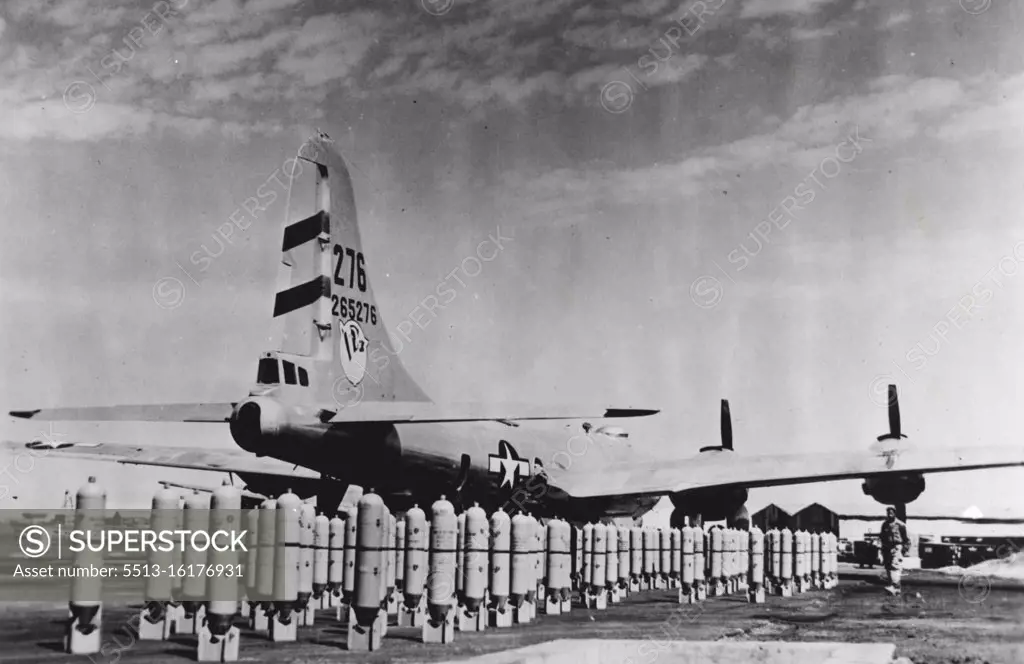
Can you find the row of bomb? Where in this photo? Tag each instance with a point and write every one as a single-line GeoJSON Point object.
{"type": "Point", "coordinates": [721, 561]}
{"type": "Point", "coordinates": [197, 601]}
{"type": "Point", "coordinates": [467, 571]}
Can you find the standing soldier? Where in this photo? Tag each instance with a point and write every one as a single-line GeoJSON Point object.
{"type": "Point", "coordinates": [895, 545]}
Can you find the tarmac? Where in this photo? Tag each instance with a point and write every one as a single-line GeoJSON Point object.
{"type": "Point", "coordinates": [938, 620]}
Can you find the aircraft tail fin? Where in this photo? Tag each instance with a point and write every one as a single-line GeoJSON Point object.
{"type": "Point", "coordinates": [327, 304]}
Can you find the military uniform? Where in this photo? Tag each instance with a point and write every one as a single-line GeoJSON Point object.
{"type": "Point", "coordinates": [895, 545]}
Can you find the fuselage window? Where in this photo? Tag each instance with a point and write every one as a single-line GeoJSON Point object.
{"type": "Point", "coordinates": [266, 373]}
{"type": "Point", "coordinates": [303, 377]}
{"type": "Point", "coordinates": [289, 372]}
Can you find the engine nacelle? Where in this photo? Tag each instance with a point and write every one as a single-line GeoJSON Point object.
{"type": "Point", "coordinates": [894, 490]}
{"type": "Point", "coordinates": [711, 504]}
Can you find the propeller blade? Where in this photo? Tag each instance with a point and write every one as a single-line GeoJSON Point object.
{"type": "Point", "coordinates": [894, 413]}
{"type": "Point", "coordinates": [726, 426]}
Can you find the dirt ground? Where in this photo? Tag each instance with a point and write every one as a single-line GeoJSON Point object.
{"type": "Point", "coordinates": [937, 621]}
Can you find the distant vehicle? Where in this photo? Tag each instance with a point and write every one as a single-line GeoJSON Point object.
{"type": "Point", "coordinates": [938, 554]}
{"type": "Point", "coordinates": [845, 550]}
{"type": "Point", "coordinates": [867, 553]}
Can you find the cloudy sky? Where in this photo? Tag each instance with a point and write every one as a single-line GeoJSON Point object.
{"type": "Point", "coordinates": [788, 203]}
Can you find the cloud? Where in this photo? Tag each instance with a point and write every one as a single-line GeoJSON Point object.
{"type": "Point", "coordinates": [899, 18]}
{"type": "Point", "coordinates": [997, 109]}
{"type": "Point", "coordinates": [766, 8]}
{"type": "Point", "coordinates": [804, 34]}
{"type": "Point", "coordinates": [890, 110]}
{"type": "Point", "coordinates": [216, 58]}
{"type": "Point", "coordinates": [80, 16]}
{"type": "Point", "coordinates": [772, 38]}
{"type": "Point", "coordinates": [327, 48]}
{"type": "Point", "coordinates": [259, 6]}
{"type": "Point", "coordinates": [231, 61]}
{"type": "Point", "coordinates": [54, 120]}
{"type": "Point", "coordinates": [228, 60]}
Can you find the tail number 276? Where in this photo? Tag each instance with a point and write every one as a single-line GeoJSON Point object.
{"type": "Point", "coordinates": [356, 268]}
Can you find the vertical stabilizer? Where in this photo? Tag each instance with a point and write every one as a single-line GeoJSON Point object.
{"type": "Point", "coordinates": [328, 308]}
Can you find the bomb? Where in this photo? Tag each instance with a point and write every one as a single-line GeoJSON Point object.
{"type": "Point", "coordinates": [266, 521]}
{"type": "Point", "coordinates": [624, 554]}
{"type": "Point", "coordinates": [321, 560]}
{"type": "Point", "coordinates": [786, 562]}
{"type": "Point", "coordinates": [650, 558]}
{"type": "Point", "coordinates": [389, 599]}
{"type": "Point", "coordinates": [156, 621]}
{"type": "Point", "coordinates": [193, 584]}
{"type": "Point", "coordinates": [218, 638]}
{"type": "Point", "coordinates": [460, 555]}
{"type": "Point", "coordinates": [717, 538]}
{"type": "Point", "coordinates": [85, 610]}
{"type": "Point", "coordinates": [774, 560]}
{"type": "Point", "coordinates": [636, 558]}
{"type": "Point", "coordinates": [756, 593]}
{"type": "Point", "coordinates": [367, 619]}
{"type": "Point", "coordinates": [596, 597]}
{"type": "Point", "coordinates": [588, 561]}
{"type": "Point", "coordinates": [522, 583]}
{"type": "Point", "coordinates": [744, 541]}
{"type": "Point", "coordinates": [676, 567]}
{"type": "Point", "coordinates": [700, 588]}
{"type": "Point", "coordinates": [815, 560]}
{"type": "Point", "coordinates": [611, 565]}
{"type": "Point", "coordinates": [440, 624]}
{"type": "Point", "coordinates": [400, 556]}
{"type": "Point", "coordinates": [728, 559]}
{"type": "Point", "coordinates": [476, 543]}
{"type": "Point", "coordinates": [251, 564]}
{"type": "Point", "coordinates": [500, 544]}
{"type": "Point", "coordinates": [577, 558]}
{"type": "Point", "coordinates": [303, 606]}
{"type": "Point", "coordinates": [800, 571]}
{"type": "Point", "coordinates": [413, 611]}
{"type": "Point", "coordinates": [348, 587]}
{"type": "Point", "coordinates": [559, 568]}
{"type": "Point", "coordinates": [335, 560]}
{"type": "Point", "coordinates": [287, 540]}
{"type": "Point", "coordinates": [687, 594]}
{"type": "Point", "coordinates": [540, 540]}
{"type": "Point", "coordinates": [665, 562]}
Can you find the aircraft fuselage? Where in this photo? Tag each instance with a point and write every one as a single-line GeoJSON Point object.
{"type": "Point", "coordinates": [490, 463]}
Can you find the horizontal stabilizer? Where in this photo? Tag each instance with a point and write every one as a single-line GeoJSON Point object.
{"type": "Point", "coordinates": [433, 412]}
{"type": "Point", "coordinates": [171, 412]}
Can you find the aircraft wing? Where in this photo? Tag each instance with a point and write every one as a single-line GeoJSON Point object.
{"type": "Point", "coordinates": [171, 412]}
{"type": "Point", "coordinates": [245, 493]}
{"type": "Point", "coordinates": [225, 461]}
{"type": "Point", "coordinates": [729, 469]}
{"type": "Point", "coordinates": [358, 412]}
